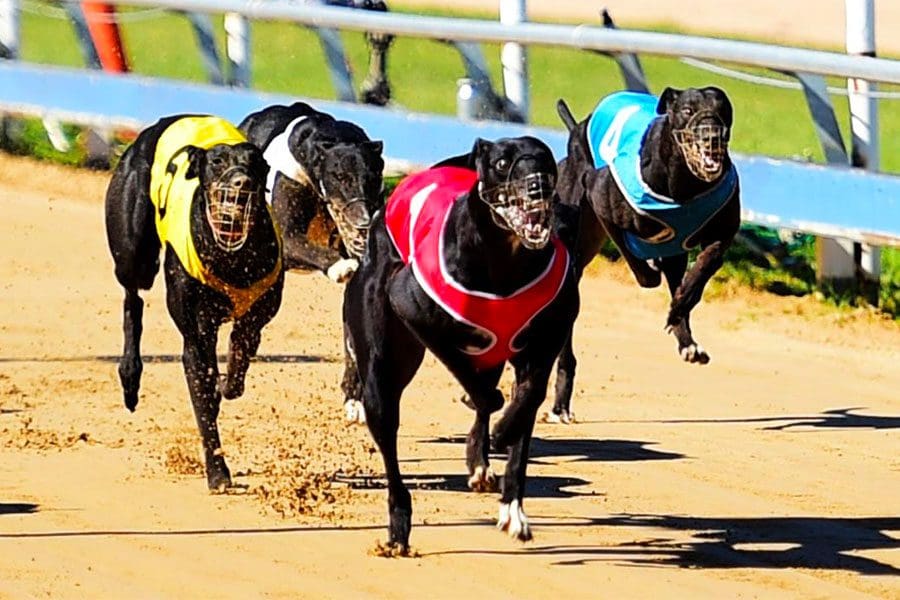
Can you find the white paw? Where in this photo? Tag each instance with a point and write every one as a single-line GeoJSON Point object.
{"type": "Point", "coordinates": [514, 521]}
{"type": "Point", "coordinates": [694, 353]}
{"type": "Point", "coordinates": [483, 480]}
{"type": "Point", "coordinates": [565, 417]}
{"type": "Point", "coordinates": [354, 412]}
{"type": "Point", "coordinates": [342, 270]}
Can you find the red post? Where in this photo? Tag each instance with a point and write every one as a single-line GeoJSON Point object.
{"type": "Point", "coordinates": [101, 22]}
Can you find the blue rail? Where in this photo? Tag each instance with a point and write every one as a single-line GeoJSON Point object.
{"type": "Point", "coordinates": [824, 200]}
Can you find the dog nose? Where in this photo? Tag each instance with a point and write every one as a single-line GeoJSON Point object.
{"type": "Point", "coordinates": [241, 181]}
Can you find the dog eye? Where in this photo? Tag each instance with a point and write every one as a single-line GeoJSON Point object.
{"type": "Point", "coordinates": [502, 164]}
{"type": "Point", "coordinates": [687, 110]}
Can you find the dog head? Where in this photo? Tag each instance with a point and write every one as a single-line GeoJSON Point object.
{"type": "Point", "coordinates": [350, 181]}
{"type": "Point", "coordinates": [516, 177]}
{"type": "Point", "coordinates": [232, 178]}
{"type": "Point", "coordinates": [700, 122]}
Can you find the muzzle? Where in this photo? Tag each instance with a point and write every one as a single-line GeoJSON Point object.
{"type": "Point", "coordinates": [703, 143]}
{"type": "Point", "coordinates": [229, 210]}
{"type": "Point", "coordinates": [352, 220]}
{"type": "Point", "coordinates": [523, 207]}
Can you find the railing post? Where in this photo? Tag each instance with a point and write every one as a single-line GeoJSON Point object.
{"type": "Point", "coordinates": [864, 126]}
{"type": "Point", "coordinates": [842, 264]}
{"type": "Point", "coordinates": [237, 46]}
{"type": "Point", "coordinates": [9, 49]}
{"type": "Point", "coordinates": [514, 58]}
{"type": "Point", "coordinates": [9, 28]}
{"type": "Point", "coordinates": [206, 41]}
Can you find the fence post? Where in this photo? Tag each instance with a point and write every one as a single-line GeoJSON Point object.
{"type": "Point", "coordinates": [206, 42]}
{"type": "Point", "coordinates": [842, 264]}
{"type": "Point", "coordinates": [237, 46]}
{"type": "Point", "coordinates": [9, 49]}
{"type": "Point", "coordinates": [9, 28]}
{"type": "Point", "coordinates": [864, 126]}
{"type": "Point", "coordinates": [514, 58]}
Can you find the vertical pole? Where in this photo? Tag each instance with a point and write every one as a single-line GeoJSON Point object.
{"type": "Point", "coordinates": [514, 58]}
{"type": "Point", "coordinates": [864, 125]}
{"type": "Point", "coordinates": [206, 42]}
{"type": "Point", "coordinates": [842, 264]}
{"type": "Point", "coordinates": [9, 49]}
{"type": "Point", "coordinates": [9, 28]}
{"type": "Point", "coordinates": [237, 46]}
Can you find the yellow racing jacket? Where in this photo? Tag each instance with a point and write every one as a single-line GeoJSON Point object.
{"type": "Point", "coordinates": [172, 195]}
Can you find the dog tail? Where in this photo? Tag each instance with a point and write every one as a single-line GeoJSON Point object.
{"type": "Point", "coordinates": [565, 114]}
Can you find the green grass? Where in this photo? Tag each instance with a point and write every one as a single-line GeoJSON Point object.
{"type": "Point", "coordinates": [423, 73]}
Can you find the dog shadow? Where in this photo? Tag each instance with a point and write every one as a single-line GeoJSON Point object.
{"type": "Point", "coordinates": [820, 543]}
{"type": "Point", "coordinates": [583, 450]}
{"type": "Point", "coordinates": [538, 486]}
{"type": "Point", "coordinates": [17, 508]}
{"type": "Point", "coordinates": [760, 543]}
{"type": "Point", "coordinates": [838, 418]}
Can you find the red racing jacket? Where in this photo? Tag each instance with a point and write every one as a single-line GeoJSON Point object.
{"type": "Point", "coordinates": [416, 216]}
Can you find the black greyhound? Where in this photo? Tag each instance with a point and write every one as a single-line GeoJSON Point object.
{"type": "Point", "coordinates": [196, 184]}
{"type": "Point", "coordinates": [325, 182]}
{"type": "Point", "coordinates": [654, 175]}
{"type": "Point", "coordinates": [462, 262]}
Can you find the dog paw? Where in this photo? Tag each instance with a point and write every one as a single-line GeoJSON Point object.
{"type": "Point", "coordinates": [354, 412]}
{"type": "Point", "coordinates": [230, 390]}
{"type": "Point", "coordinates": [131, 400]}
{"type": "Point", "coordinates": [483, 480]}
{"type": "Point", "coordinates": [694, 353]}
{"type": "Point", "coordinates": [514, 521]}
{"type": "Point", "coordinates": [341, 271]}
{"type": "Point", "coordinates": [564, 417]}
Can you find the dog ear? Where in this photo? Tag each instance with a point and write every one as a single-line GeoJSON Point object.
{"type": "Point", "coordinates": [479, 148]}
{"type": "Point", "coordinates": [666, 99]}
{"type": "Point", "coordinates": [376, 147]}
{"type": "Point", "coordinates": [727, 111]}
{"type": "Point", "coordinates": [196, 156]}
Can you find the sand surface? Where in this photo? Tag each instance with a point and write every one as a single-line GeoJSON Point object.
{"type": "Point", "coordinates": [773, 472]}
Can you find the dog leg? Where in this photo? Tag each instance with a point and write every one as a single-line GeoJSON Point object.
{"type": "Point", "coordinates": [130, 365]}
{"type": "Point", "coordinates": [521, 413]}
{"type": "Point", "coordinates": [565, 380]}
{"type": "Point", "coordinates": [481, 476]}
{"type": "Point", "coordinates": [686, 293]}
{"type": "Point", "coordinates": [244, 341]}
{"type": "Point", "coordinates": [382, 407]}
{"type": "Point", "coordinates": [354, 411]}
{"type": "Point", "coordinates": [512, 518]}
{"type": "Point", "coordinates": [242, 346]}
{"type": "Point", "coordinates": [199, 359]}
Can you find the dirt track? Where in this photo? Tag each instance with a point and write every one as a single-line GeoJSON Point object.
{"type": "Point", "coordinates": [772, 472]}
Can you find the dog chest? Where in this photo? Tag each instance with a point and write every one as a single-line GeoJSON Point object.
{"type": "Point", "coordinates": [416, 217]}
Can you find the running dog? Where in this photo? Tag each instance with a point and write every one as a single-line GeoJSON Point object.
{"type": "Point", "coordinates": [325, 182]}
{"type": "Point", "coordinates": [195, 185]}
{"type": "Point", "coordinates": [654, 175]}
{"type": "Point", "coordinates": [463, 262]}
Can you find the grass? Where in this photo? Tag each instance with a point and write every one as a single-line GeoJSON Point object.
{"type": "Point", "coordinates": [423, 73]}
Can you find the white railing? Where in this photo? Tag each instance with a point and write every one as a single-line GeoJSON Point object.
{"type": "Point", "coordinates": [587, 37]}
